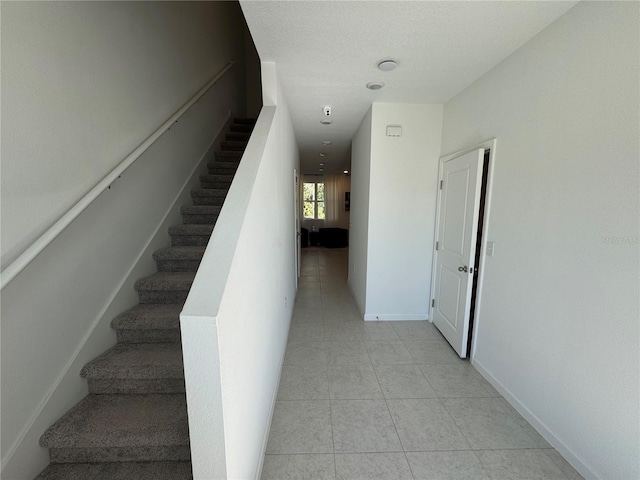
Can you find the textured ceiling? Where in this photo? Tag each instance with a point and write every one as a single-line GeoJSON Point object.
{"type": "Point", "coordinates": [326, 52]}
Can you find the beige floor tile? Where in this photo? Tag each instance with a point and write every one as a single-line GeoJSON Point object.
{"type": "Point", "coordinates": [353, 382]}
{"type": "Point", "coordinates": [301, 427]}
{"type": "Point", "coordinates": [299, 467]}
{"type": "Point", "coordinates": [363, 426]}
{"type": "Point", "coordinates": [460, 465]}
{"type": "Point", "coordinates": [403, 381]}
{"type": "Point", "coordinates": [378, 466]}
{"type": "Point", "coordinates": [303, 383]}
{"type": "Point", "coordinates": [520, 465]}
{"type": "Point", "coordinates": [425, 425]}
{"type": "Point", "coordinates": [389, 352]}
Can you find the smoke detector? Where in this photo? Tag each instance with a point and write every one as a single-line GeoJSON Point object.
{"type": "Point", "coordinates": [327, 111]}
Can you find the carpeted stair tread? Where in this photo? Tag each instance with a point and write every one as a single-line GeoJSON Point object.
{"type": "Point", "coordinates": [217, 177]}
{"type": "Point", "coordinates": [191, 229]}
{"type": "Point", "coordinates": [166, 281]}
{"type": "Point", "coordinates": [137, 361]}
{"type": "Point", "coordinates": [236, 145]}
{"type": "Point", "coordinates": [243, 136]}
{"type": "Point", "coordinates": [220, 167]}
{"type": "Point", "coordinates": [229, 155]}
{"type": "Point", "coordinates": [120, 422]}
{"type": "Point", "coordinates": [208, 196]}
{"type": "Point", "coordinates": [216, 181]}
{"type": "Point", "coordinates": [179, 253]}
{"type": "Point", "coordinates": [238, 127]}
{"type": "Point", "coordinates": [152, 317]}
{"type": "Point", "coordinates": [118, 471]}
{"type": "Point", "coordinates": [244, 121]}
{"type": "Point", "coordinates": [200, 214]}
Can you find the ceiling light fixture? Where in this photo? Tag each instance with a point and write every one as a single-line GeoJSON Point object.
{"type": "Point", "coordinates": [345, 172]}
{"type": "Point", "coordinates": [322, 164]}
{"type": "Point", "coordinates": [375, 85]}
{"type": "Point", "coordinates": [322, 154]}
{"type": "Point", "coordinates": [326, 142]}
{"type": "Point", "coordinates": [387, 65]}
{"type": "Point", "coordinates": [326, 122]}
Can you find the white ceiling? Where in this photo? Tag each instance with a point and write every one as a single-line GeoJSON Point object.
{"type": "Point", "coordinates": [327, 50]}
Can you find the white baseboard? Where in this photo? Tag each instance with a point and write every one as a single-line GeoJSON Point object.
{"type": "Point", "coordinates": [393, 317]}
{"type": "Point", "coordinates": [569, 455]}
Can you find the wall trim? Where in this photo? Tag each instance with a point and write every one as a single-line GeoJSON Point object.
{"type": "Point", "coordinates": [569, 455]}
{"type": "Point", "coordinates": [392, 317]}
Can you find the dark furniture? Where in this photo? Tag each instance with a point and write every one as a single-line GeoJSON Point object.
{"type": "Point", "coordinates": [334, 237]}
{"type": "Point", "coordinates": [304, 237]}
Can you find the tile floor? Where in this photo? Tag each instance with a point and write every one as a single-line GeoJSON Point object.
{"type": "Point", "coordinates": [388, 400]}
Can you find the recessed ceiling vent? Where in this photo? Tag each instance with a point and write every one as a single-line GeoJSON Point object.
{"type": "Point", "coordinates": [387, 65]}
{"type": "Point", "coordinates": [375, 85]}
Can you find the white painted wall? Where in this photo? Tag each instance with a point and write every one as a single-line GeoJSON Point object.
{"type": "Point", "coordinates": [236, 319]}
{"type": "Point", "coordinates": [402, 199]}
{"type": "Point", "coordinates": [558, 327]}
{"type": "Point", "coordinates": [83, 83]}
{"type": "Point", "coordinates": [359, 218]}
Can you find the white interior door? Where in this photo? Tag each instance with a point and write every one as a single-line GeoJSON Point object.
{"type": "Point", "coordinates": [458, 206]}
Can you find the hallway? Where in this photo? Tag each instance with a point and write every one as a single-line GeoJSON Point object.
{"type": "Point", "coordinates": [388, 400]}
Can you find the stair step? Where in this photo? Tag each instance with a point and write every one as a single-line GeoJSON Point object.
{"type": "Point", "coordinates": [121, 428]}
{"type": "Point", "coordinates": [238, 127]}
{"type": "Point", "coordinates": [244, 136]}
{"type": "Point", "coordinates": [118, 471]}
{"type": "Point", "coordinates": [220, 167]}
{"type": "Point", "coordinates": [149, 324]}
{"type": "Point", "coordinates": [191, 234]}
{"type": "Point", "coordinates": [244, 121]}
{"type": "Point", "coordinates": [216, 181]}
{"type": "Point", "coordinates": [179, 259]}
{"type": "Point", "coordinates": [234, 145]}
{"type": "Point", "coordinates": [165, 287]}
{"type": "Point", "coordinates": [142, 368]}
{"type": "Point", "coordinates": [208, 196]}
{"type": "Point", "coordinates": [229, 155]}
{"type": "Point", "coordinates": [200, 214]}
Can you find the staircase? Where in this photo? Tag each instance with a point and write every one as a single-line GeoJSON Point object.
{"type": "Point", "coordinates": [133, 424]}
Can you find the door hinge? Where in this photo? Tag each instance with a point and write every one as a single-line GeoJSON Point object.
{"type": "Point", "coordinates": [433, 302]}
{"type": "Point", "coordinates": [437, 245]}
{"type": "Point", "coordinates": [440, 184]}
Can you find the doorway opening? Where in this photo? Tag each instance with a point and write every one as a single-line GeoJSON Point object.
{"type": "Point", "coordinates": [474, 287]}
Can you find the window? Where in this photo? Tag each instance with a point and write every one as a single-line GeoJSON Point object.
{"type": "Point", "coordinates": [313, 195]}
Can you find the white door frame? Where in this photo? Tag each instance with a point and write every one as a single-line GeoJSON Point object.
{"type": "Point", "coordinates": [491, 145]}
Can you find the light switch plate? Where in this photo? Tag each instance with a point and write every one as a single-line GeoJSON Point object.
{"type": "Point", "coordinates": [490, 246]}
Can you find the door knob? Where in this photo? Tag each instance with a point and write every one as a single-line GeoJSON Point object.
{"type": "Point", "coordinates": [463, 269]}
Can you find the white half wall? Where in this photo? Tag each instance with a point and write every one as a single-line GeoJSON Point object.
{"type": "Point", "coordinates": [558, 329]}
{"type": "Point", "coordinates": [402, 186]}
{"type": "Point", "coordinates": [236, 319]}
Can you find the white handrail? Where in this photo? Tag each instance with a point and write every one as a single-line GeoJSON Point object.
{"type": "Point", "coordinates": [9, 273]}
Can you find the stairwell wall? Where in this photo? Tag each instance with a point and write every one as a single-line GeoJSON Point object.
{"type": "Point", "coordinates": [83, 83]}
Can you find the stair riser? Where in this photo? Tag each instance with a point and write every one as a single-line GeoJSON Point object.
{"type": "Point", "coordinates": [210, 201]}
{"type": "Point", "coordinates": [120, 454]}
{"type": "Point", "coordinates": [189, 240]}
{"type": "Point", "coordinates": [243, 136]}
{"type": "Point", "coordinates": [197, 219]}
{"type": "Point", "coordinates": [240, 128]}
{"type": "Point", "coordinates": [178, 265]}
{"type": "Point", "coordinates": [216, 170]}
{"type": "Point", "coordinates": [215, 184]}
{"type": "Point", "coordinates": [170, 296]}
{"type": "Point", "coordinates": [229, 155]}
{"type": "Point", "coordinates": [128, 386]}
{"type": "Point", "coordinates": [148, 336]}
{"type": "Point", "coordinates": [232, 146]}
